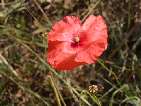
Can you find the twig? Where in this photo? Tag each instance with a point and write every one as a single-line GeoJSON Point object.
{"type": "Point", "coordinates": [44, 14]}
{"type": "Point", "coordinates": [2, 59]}
{"type": "Point", "coordinates": [55, 90]}
{"type": "Point", "coordinates": [2, 3]}
{"type": "Point", "coordinates": [91, 10]}
{"type": "Point", "coordinates": [61, 98]}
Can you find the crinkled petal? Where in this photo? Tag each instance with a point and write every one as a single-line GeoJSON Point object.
{"type": "Point", "coordinates": [95, 28]}
{"type": "Point", "coordinates": [52, 45]}
{"type": "Point", "coordinates": [61, 46]}
{"type": "Point", "coordinates": [65, 29]}
{"type": "Point", "coordinates": [89, 22]}
{"type": "Point", "coordinates": [62, 57]}
{"type": "Point", "coordinates": [94, 39]}
{"type": "Point", "coordinates": [91, 53]}
{"type": "Point", "coordinates": [96, 22]}
{"type": "Point", "coordinates": [68, 64]}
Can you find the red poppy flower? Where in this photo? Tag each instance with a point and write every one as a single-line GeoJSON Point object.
{"type": "Point", "coordinates": [72, 43]}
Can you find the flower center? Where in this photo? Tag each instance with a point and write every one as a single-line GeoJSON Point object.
{"type": "Point", "coordinates": [76, 39]}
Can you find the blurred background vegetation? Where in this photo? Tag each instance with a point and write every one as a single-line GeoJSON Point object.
{"type": "Point", "coordinates": [27, 80]}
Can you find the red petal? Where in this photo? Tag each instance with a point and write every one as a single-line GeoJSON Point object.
{"type": "Point", "coordinates": [64, 29]}
{"type": "Point", "coordinates": [62, 57]}
{"type": "Point", "coordinates": [91, 53]}
{"type": "Point", "coordinates": [95, 28]}
{"type": "Point", "coordinates": [95, 39]}
{"type": "Point", "coordinates": [52, 45]}
{"type": "Point", "coordinates": [94, 22]}
{"type": "Point", "coordinates": [89, 22]}
{"type": "Point", "coordinates": [68, 64]}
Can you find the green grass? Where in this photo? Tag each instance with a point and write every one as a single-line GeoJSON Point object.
{"type": "Point", "coordinates": [27, 80]}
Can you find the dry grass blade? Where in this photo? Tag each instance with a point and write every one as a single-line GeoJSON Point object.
{"type": "Point", "coordinates": [2, 59]}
